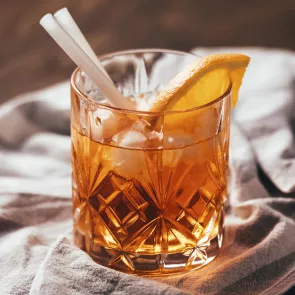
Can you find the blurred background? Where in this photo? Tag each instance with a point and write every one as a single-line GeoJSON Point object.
{"type": "Point", "coordinates": [30, 59]}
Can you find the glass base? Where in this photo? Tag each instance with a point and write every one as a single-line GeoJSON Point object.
{"type": "Point", "coordinates": [158, 264]}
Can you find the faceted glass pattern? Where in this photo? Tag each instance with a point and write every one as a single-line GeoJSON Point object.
{"type": "Point", "coordinates": [155, 206]}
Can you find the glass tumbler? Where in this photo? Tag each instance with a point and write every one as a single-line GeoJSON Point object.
{"type": "Point", "coordinates": [148, 188]}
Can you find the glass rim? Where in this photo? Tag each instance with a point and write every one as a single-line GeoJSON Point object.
{"type": "Point", "coordinates": [140, 112]}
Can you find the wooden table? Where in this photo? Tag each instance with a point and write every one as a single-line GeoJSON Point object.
{"type": "Point", "coordinates": [30, 60]}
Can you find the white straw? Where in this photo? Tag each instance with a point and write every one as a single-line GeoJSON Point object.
{"type": "Point", "coordinates": [65, 19]}
{"type": "Point", "coordinates": [72, 49]}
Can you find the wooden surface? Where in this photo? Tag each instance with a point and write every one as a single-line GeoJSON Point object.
{"type": "Point", "coordinates": [30, 60]}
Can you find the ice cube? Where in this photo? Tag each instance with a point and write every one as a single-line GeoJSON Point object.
{"type": "Point", "coordinates": [153, 132]}
{"type": "Point", "coordinates": [104, 125]}
{"type": "Point", "coordinates": [130, 138]}
{"type": "Point", "coordinates": [183, 147]}
{"type": "Point", "coordinates": [141, 126]}
{"type": "Point", "coordinates": [202, 124]}
{"type": "Point", "coordinates": [126, 156]}
{"type": "Point", "coordinates": [97, 96]}
{"type": "Point", "coordinates": [143, 101]}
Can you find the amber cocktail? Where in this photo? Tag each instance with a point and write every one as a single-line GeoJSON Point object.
{"type": "Point", "coordinates": [148, 187]}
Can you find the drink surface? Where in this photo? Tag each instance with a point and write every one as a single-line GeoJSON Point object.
{"type": "Point", "coordinates": [131, 203]}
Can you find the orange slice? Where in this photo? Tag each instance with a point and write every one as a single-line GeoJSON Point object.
{"type": "Point", "coordinates": [203, 81]}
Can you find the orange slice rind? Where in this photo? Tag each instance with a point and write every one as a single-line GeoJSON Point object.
{"type": "Point", "coordinates": [204, 81]}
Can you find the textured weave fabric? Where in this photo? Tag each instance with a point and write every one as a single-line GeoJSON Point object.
{"type": "Point", "coordinates": [37, 255]}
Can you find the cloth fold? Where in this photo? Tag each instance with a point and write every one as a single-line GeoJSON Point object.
{"type": "Point", "coordinates": [61, 273]}
{"type": "Point", "coordinates": [37, 255]}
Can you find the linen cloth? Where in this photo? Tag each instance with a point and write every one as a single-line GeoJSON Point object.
{"type": "Point", "coordinates": [37, 255]}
